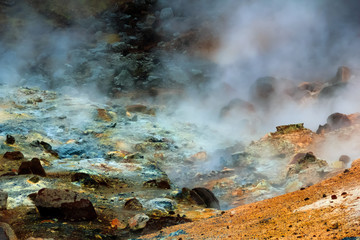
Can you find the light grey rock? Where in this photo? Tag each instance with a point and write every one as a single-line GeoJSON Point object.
{"type": "Point", "coordinates": [162, 204]}
{"type": "Point", "coordinates": [138, 221]}
{"type": "Point", "coordinates": [166, 13]}
{"type": "Point", "coordinates": [6, 232]}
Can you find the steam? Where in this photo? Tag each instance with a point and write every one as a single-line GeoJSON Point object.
{"type": "Point", "coordinates": [292, 41]}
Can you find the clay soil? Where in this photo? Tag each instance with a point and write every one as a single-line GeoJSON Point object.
{"type": "Point", "coordinates": [327, 210]}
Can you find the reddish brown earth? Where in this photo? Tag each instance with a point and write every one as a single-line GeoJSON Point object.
{"type": "Point", "coordinates": [327, 210]}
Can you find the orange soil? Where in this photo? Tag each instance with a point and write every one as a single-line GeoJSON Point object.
{"type": "Point", "coordinates": [311, 213]}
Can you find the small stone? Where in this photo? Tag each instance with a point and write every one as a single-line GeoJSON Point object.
{"type": "Point", "coordinates": [10, 139]}
{"type": "Point", "coordinates": [138, 221]}
{"type": "Point", "coordinates": [103, 115]}
{"type": "Point", "coordinates": [34, 179]}
{"type": "Point", "coordinates": [3, 200]}
{"type": "Point", "coordinates": [133, 204]}
{"type": "Point", "coordinates": [345, 159]}
{"type": "Point", "coordinates": [16, 155]}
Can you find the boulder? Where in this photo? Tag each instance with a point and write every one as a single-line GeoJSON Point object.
{"type": "Point", "coordinates": [64, 204]}
{"type": "Point", "coordinates": [203, 196]}
{"type": "Point", "coordinates": [262, 90]}
{"type": "Point", "coordinates": [162, 204]}
{"type": "Point", "coordinates": [338, 120]}
{"type": "Point", "coordinates": [32, 167]}
{"type": "Point", "coordinates": [345, 159]}
{"type": "Point", "coordinates": [236, 107]}
{"type": "Point", "coordinates": [133, 204]}
{"type": "Point", "coordinates": [16, 155]}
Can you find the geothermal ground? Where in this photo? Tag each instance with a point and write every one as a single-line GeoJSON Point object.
{"type": "Point", "coordinates": [144, 119]}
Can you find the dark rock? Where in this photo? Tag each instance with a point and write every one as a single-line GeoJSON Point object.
{"type": "Point", "coordinates": [156, 224]}
{"type": "Point", "coordinates": [16, 155]}
{"type": "Point", "coordinates": [64, 204]}
{"type": "Point", "coordinates": [46, 146]}
{"type": "Point", "coordinates": [34, 179]}
{"type": "Point", "coordinates": [262, 90]}
{"type": "Point", "coordinates": [236, 106]}
{"type": "Point", "coordinates": [159, 183]}
{"type": "Point", "coordinates": [338, 120]}
{"type": "Point", "coordinates": [133, 204]}
{"type": "Point", "coordinates": [3, 200]}
{"type": "Point", "coordinates": [78, 210]}
{"type": "Point", "coordinates": [302, 158]}
{"type": "Point", "coordinates": [297, 158]}
{"type": "Point", "coordinates": [87, 180]}
{"type": "Point", "coordinates": [10, 139]}
{"type": "Point", "coordinates": [323, 129]}
{"type": "Point", "coordinates": [345, 159]}
{"type": "Point", "coordinates": [32, 167]}
{"type": "Point", "coordinates": [204, 196]}
{"type": "Point", "coordinates": [76, 177]}
{"type": "Point", "coordinates": [331, 91]}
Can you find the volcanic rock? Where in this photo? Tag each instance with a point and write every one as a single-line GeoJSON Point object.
{"type": "Point", "coordinates": [64, 204]}
{"type": "Point", "coordinates": [16, 155]}
{"type": "Point", "coordinates": [133, 204]}
{"type": "Point", "coordinates": [159, 183]}
{"type": "Point", "coordinates": [138, 221]}
{"type": "Point", "coordinates": [331, 91]}
{"type": "Point", "coordinates": [10, 139]}
{"type": "Point", "coordinates": [3, 200]}
{"type": "Point", "coordinates": [78, 210]}
{"type": "Point", "coordinates": [203, 196]}
{"type": "Point", "coordinates": [345, 159]}
{"type": "Point", "coordinates": [236, 107]}
{"type": "Point", "coordinates": [85, 179]}
{"type": "Point", "coordinates": [262, 90]}
{"type": "Point", "coordinates": [338, 120]}
{"type": "Point", "coordinates": [32, 167]}
{"type": "Point", "coordinates": [162, 204]}
{"type": "Point", "coordinates": [343, 75]}
{"type": "Point", "coordinates": [307, 162]}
